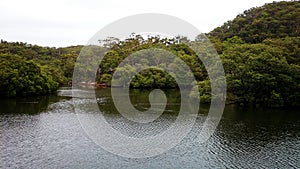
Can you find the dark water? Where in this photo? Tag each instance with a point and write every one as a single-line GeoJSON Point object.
{"type": "Point", "coordinates": [44, 132]}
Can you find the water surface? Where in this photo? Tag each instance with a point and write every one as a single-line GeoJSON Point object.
{"type": "Point", "coordinates": [44, 132]}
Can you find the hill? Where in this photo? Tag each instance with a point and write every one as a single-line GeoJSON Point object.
{"type": "Point", "coordinates": [260, 52]}
{"type": "Point", "coordinates": [28, 70]}
{"type": "Point", "coordinates": [272, 20]}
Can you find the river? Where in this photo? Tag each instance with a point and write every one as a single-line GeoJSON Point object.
{"type": "Point", "coordinates": [44, 132]}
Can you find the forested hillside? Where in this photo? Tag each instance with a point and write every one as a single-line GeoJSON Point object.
{"type": "Point", "coordinates": [260, 51]}
{"type": "Point", "coordinates": [28, 70]}
{"type": "Point", "coordinates": [273, 20]}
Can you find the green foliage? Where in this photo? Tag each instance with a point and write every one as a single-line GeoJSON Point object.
{"type": "Point", "coordinates": [259, 73]}
{"type": "Point", "coordinates": [28, 70]}
{"type": "Point", "coordinates": [260, 54]}
{"type": "Point", "coordinates": [153, 77]}
{"type": "Point", "coordinates": [273, 20]}
{"type": "Point", "coordinates": [260, 51]}
{"type": "Point", "coordinates": [23, 78]}
{"type": "Point", "coordinates": [55, 62]}
{"type": "Point", "coordinates": [204, 90]}
{"type": "Point", "coordinates": [289, 45]}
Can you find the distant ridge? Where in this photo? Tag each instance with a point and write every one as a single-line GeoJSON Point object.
{"type": "Point", "coordinates": [272, 20]}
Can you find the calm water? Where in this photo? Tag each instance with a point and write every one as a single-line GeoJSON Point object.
{"type": "Point", "coordinates": [44, 132]}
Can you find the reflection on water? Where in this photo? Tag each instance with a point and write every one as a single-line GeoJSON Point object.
{"type": "Point", "coordinates": [43, 132]}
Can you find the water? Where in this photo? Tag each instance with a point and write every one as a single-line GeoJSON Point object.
{"type": "Point", "coordinates": [44, 132]}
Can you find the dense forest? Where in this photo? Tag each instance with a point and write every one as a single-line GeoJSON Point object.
{"type": "Point", "coordinates": [273, 20]}
{"type": "Point", "coordinates": [28, 70]}
{"type": "Point", "coordinates": [261, 55]}
{"type": "Point", "coordinates": [259, 50]}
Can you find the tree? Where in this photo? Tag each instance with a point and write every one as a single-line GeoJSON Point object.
{"type": "Point", "coordinates": [23, 78]}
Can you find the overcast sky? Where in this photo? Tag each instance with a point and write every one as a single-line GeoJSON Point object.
{"type": "Point", "coordinates": [72, 22]}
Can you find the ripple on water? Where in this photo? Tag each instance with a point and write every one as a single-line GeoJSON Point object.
{"type": "Point", "coordinates": [54, 138]}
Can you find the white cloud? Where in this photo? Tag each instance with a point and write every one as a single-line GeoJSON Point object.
{"type": "Point", "coordinates": [67, 22]}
